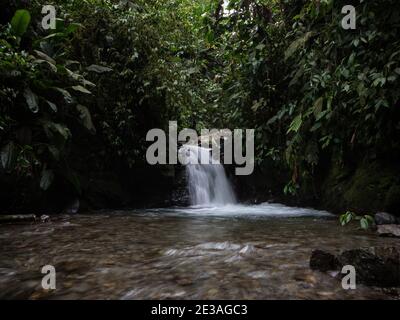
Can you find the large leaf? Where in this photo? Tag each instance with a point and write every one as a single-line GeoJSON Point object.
{"type": "Point", "coordinates": [32, 100]}
{"type": "Point", "coordinates": [20, 22]}
{"type": "Point", "coordinates": [8, 156]}
{"type": "Point", "coordinates": [98, 69]}
{"type": "Point", "coordinates": [46, 179]}
{"type": "Point", "coordinates": [86, 118]}
{"type": "Point", "coordinates": [44, 56]}
{"type": "Point", "coordinates": [81, 89]}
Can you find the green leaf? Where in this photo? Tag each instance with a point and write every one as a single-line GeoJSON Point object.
{"type": "Point", "coordinates": [52, 106]}
{"type": "Point", "coordinates": [364, 223]}
{"type": "Point", "coordinates": [98, 69]}
{"type": "Point", "coordinates": [81, 89]}
{"type": "Point", "coordinates": [73, 27]}
{"type": "Point", "coordinates": [370, 219]}
{"type": "Point", "coordinates": [86, 118]}
{"type": "Point", "coordinates": [318, 106]}
{"type": "Point", "coordinates": [297, 44]}
{"type": "Point", "coordinates": [20, 22]}
{"type": "Point", "coordinates": [8, 156]}
{"type": "Point", "coordinates": [44, 56]}
{"type": "Point", "coordinates": [296, 124]}
{"type": "Point", "coordinates": [349, 216]}
{"type": "Point", "coordinates": [31, 100]}
{"type": "Point", "coordinates": [46, 179]}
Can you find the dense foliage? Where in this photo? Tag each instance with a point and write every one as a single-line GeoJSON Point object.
{"type": "Point", "coordinates": [77, 101]}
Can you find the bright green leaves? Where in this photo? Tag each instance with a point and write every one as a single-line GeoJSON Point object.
{"type": "Point", "coordinates": [346, 218]}
{"type": "Point", "coordinates": [296, 124]}
{"type": "Point", "coordinates": [20, 22]}
{"type": "Point", "coordinates": [366, 221]}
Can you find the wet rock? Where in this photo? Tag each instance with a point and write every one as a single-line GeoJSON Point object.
{"type": "Point", "coordinates": [44, 218]}
{"type": "Point", "coordinates": [374, 266]}
{"type": "Point", "coordinates": [323, 261]}
{"type": "Point", "coordinates": [389, 230]}
{"type": "Point", "coordinates": [385, 218]}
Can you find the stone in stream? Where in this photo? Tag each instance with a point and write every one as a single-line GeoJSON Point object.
{"type": "Point", "coordinates": [389, 230]}
{"type": "Point", "coordinates": [323, 261]}
{"type": "Point", "coordinates": [385, 218]}
{"type": "Point", "coordinates": [375, 266]}
{"type": "Point", "coordinates": [378, 266]}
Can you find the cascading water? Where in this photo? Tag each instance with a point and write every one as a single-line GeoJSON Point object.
{"type": "Point", "coordinates": [208, 183]}
{"type": "Point", "coordinates": [211, 193]}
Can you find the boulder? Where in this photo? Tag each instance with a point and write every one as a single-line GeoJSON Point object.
{"type": "Point", "coordinates": [375, 266]}
{"type": "Point", "coordinates": [385, 218]}
{"type": "Point", "coordinates": [378, 266]}
{"type": "Point", "coordinates": [323, 261]}
{"type": "Point", "coordinates": [389, 230]}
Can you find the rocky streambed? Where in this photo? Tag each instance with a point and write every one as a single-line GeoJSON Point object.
{"type": "Point", "coordinates": [201, 253]}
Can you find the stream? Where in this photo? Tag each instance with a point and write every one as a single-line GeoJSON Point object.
{"type": "Point", "coordinates": [226, 252]}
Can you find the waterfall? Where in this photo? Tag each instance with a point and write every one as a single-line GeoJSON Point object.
{"type": "Point", "coordinates": [208, 183]}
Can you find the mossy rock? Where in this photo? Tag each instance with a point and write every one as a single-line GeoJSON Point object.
{"type": "Point", "coordinates": [369, 187]}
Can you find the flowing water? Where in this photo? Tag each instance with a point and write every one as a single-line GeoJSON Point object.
{"type": "Point", "coordinates": [207, 181]}
{"type": "Point", "coordinates": [214, 249]}
{"type": "Point", "coordinates": [232, 252]}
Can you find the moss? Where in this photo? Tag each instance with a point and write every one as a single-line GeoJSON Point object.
{"type": "Point", "coordinates": [372, 186]}
{"type": "Point", "coordinates": [368, 187]}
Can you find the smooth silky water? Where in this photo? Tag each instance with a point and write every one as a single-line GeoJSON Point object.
{"type": "Point", "coordinates": [214, 249]}
{"type": "Point", "coordinates": [243, 252]}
